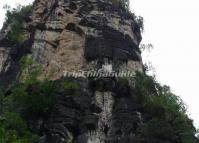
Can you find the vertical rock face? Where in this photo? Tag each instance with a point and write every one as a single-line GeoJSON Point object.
{"type": "Point", "coordinates": [75, 35]}
{"type": "Point", "coordinates": [72, 35]}
{"type": "Point", "coordinates": [95, 116]}
{"type": "Point", "coordinates": [9, 66]}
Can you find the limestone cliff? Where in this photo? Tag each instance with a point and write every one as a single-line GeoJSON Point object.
{"type": "Point", "coordinates": [73, 35]}
{"type": "Point", "coordinates": [77, 35]}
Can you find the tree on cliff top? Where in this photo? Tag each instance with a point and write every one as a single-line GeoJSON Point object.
{"type": "Point", "coordinates": [123, 3]}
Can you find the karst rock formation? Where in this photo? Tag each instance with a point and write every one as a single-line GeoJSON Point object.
{"type": "Point", "coordinates": [81, 35]}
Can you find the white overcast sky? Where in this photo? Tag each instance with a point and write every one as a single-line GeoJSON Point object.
{"type": "Point", "coordinates": [172, 26]}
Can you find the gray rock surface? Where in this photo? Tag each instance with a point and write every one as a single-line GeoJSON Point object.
{"type": "Point", "coordinates": [72, 35]}
{"type": "Point", "coordinates": [94, 117]}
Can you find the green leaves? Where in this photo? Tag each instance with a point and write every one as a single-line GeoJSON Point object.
{"type": "Point", "coordinates": [37, 99]}
{"type": "Point", "coordinates": [139, 20]}
{"type": "Point", "coordinates": [144, 87]}
{"type": "Point", "coordinates": [15, 19]}
{"type": "Point", "coordinates": [26, 62]}
{"type": "Point", "coordinates": [23, 102]}
{"type": "Point", "coordinates": [168, 112]}
{"type": "Point", "coordinates": [157, 128]}
{"type": "Point", "coordinates": [15, 35]}
{"type": "Point", "coordinates": [69, 85]}
{"type": "Point", "coordinates": [18, 14]}
{"type": "Point", "coordinates": [13, 129]}
{"type": "Point", "coordinates": [123, 3]}
{"type": "Point", "coordinates": [30, 70]}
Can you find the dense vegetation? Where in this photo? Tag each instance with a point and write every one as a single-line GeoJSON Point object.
{"type": "Point", "coordinates": [168, 115]}
{"type": "Point", "coordinates": [125, 4]}
{"type": "Point", "coordinates": [31, 100]}
{"type": "Point", "coordinates": [122, 3]}
{"type": "Point", "coordinates": [15, 18]}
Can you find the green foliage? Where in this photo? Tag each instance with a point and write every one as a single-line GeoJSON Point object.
{"type": "Point", "coordinates": [24, 102]}
{"type": "Point", "coordinates": [17, 14]}
{"type": "Point", "coordinates": [26, 62]}
{"type": "Point", "coordinates": [38, 99]}
{"type": "Point", "coordinates": [27, 101]}
{"type": "Point", "coordinates": [13, 129]}
{"type": "Point", "coordinates": [69, 85]}
{"type": "Point", "coordinates": [165, 101]}
{"type": "Point", "coordinates": [122, 3]}
{"type": "Point", "coordinates": [157, 128]}
{"type": "Point", "coordinates": [15, 18]}
{"type": "Point", "coordinates": [14, 121]}
{"type": "Point", "coordinates": [189, 139]}
{"type": "Point", "coordinates": [41, 100]}
{"type": "Point", "coordinates": [15, 35]}
{"type": "Point", "coordinates": [30, 69]}
{"type": "Point", "coordinates": [139, 20]}
{"type": "Point", "coordinates": [144, 87]}
{"type": "Point", "coordinates": [168, 112]}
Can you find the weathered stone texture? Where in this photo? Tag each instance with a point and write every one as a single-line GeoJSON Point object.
{"type": "Point", "coordinates": [72, 35]}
